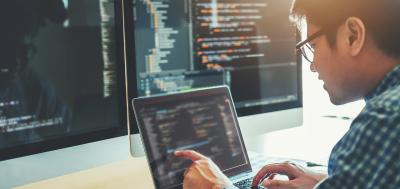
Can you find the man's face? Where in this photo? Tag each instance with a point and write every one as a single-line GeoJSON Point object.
{"type": "Point", "coordinates": [334, 68]}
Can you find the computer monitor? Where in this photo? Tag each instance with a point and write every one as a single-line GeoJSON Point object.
{"type": "Point", "coordinates": [249, 45]}
{"type": "Point", "coordinates": [61, 74]}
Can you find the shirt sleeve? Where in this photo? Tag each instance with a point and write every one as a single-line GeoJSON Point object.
{"type": "Point", "coordinates": [368, 155]}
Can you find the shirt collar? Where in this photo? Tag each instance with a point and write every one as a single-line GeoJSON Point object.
{"type": "Point", "coordinates": [391, 79]}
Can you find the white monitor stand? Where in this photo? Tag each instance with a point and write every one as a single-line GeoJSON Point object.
{"type": "Point", "coordinates": [252, 128]}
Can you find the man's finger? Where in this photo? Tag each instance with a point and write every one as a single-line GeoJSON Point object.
{"type": "Point", "coordinates": [277, 184]}
{"type": "Point", "coordinates": [190, 154]}
{"type": "Point", "coordinates": [281, 168]}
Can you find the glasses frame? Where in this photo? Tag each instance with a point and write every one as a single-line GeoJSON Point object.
{"type": "Point", "coordinates": [305, 43]}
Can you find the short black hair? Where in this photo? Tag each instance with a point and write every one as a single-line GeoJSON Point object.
{"type": "Point", "coordinates": [381, 19]}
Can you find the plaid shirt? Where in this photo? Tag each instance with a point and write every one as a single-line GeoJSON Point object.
{"type": "Point", "coordinates": [368, 155]}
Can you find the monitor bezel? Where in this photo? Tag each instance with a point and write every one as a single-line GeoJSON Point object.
{"type": "Point", "coordinates": [83, 138]}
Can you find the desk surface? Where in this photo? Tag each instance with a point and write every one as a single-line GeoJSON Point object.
{"type": "Point", "coordinates": [312, 142]}
{"type": "Point", "coordinates": [131, 173]}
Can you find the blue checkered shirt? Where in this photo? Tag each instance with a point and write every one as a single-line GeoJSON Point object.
{"type": "Point", "coordinates": [368, 155]}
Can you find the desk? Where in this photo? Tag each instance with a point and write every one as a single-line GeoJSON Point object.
{"type": "Point", "coordinates": [130, 173]}
{"type": "Point", "coordinates": [311, 142]}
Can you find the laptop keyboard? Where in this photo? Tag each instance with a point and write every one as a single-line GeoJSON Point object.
{"type": "Point", "coordinates": [246, 184]}
{"type": "Point", "coordinates": [257, 162]}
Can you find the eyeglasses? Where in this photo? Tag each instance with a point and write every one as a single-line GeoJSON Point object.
{"type": "Point", "coordinates": [305, 48]}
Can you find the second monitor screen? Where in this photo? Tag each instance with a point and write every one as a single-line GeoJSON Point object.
{"type": "Point", "coordinates": [248, 45]}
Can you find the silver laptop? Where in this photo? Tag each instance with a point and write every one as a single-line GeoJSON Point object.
{"type": "Point", "coordinates": [203, 120]}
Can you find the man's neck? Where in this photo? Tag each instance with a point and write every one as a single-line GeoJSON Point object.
{"type": "Point", "coordinates": [374, 69]}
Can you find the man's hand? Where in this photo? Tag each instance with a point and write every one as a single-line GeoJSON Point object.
{"type": "Point", "coordinates": [203, 173]}
{"type": "Point", "coordinates": [299, 177]}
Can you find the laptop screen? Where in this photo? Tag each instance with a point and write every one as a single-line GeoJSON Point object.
{"type": "Point", "coordinates": [201, 120]}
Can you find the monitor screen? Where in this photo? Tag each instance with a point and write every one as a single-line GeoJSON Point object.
{"type": "Point", "coordinates": [248, 45]}
{"type": "Point", "coordinates": [61, 82]}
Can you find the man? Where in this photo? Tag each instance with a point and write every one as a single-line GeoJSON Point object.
{"type": "Point", "coordinates": [354, 45]}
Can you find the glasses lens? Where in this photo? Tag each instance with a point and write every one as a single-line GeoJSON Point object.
{"type": "Point", "coordinates": [308, 52]}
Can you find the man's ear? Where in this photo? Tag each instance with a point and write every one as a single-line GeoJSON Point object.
{"type": "Point", "coordinates": [355, 34]}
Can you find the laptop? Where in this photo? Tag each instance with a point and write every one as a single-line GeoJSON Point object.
{"type": "Point", "coordinates": [203, 120]}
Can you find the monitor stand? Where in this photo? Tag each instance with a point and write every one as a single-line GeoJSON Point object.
{"type": "Point", "coordinates": [137, 149]}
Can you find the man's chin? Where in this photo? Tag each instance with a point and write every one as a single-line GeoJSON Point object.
{"type": "Point", "coordinates": [340, 100]}
{"type": "Point", "coordinates": [335, 99]}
